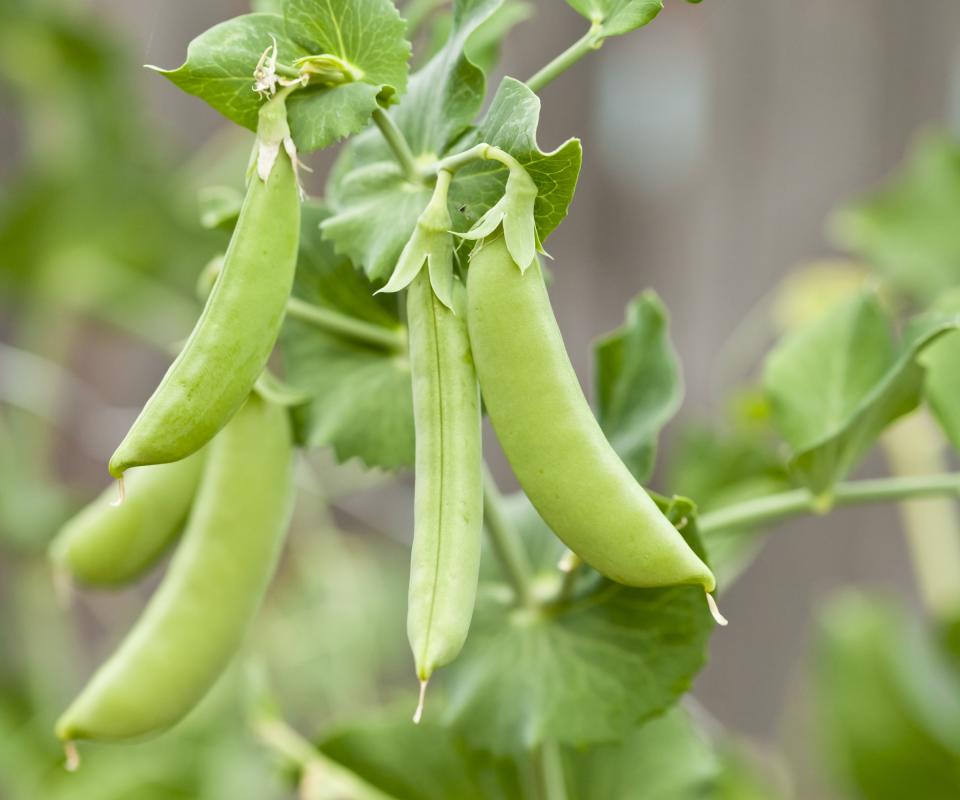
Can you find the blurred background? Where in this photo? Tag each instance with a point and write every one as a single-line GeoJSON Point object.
{"type": "Point", "coordinates": [717, 141]}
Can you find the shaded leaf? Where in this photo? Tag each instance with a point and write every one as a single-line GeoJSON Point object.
{"type": "Point", "coordinates": [665, 759]}
{"type": "Point", "coordinates": [421, 762]}
{"type": "Point", "coordinates": [638, 382]}
{"type": "Point", "coordinates": [523, 674]}
{"type": "Point", "coordinates": [361, 396]}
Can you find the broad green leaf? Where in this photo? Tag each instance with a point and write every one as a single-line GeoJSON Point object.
{"type": "Point", "coordinates": [368, 34]}
{"type": "Point", "coordinates": [667, 758]}
{"type": "Point", "coordinates": [638, 382]}
{"type": "Point", "coordinates": [616, 17]}
{"type": "Point", "coordinates": [511, 124]}
{"type": "Point", "coordinates": [942, 361]}
{"type": "Point", "coordinates": [834, 386]}
{"type": "Point", "coordinates": [889, 702]}
{"type": "Point", "coordinates": [221, 60]}
{"type": "Point", "coordinates": [376, 211]}
{"type": "Point", "coordinates": [523, 674]}
{"type": "Point", "coordinates": [908, 229]}
{"type": "Point", "coordinates": [361, 394]}
{"type": "Point", "coordinates": [421, 762]}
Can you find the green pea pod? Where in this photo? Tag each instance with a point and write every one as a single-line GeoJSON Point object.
{"type": "Point", "coordinates": [557, 450]}
{"type": "Point", "coordinates": [195, 622]}
{"type": "Point", "coordinates": [232, 340]}
{"type": "Point", "coordinates": [448, 504]}
{"type": "Point", "coordinates": [110, 544]}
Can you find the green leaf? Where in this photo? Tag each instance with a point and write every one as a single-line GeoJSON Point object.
{"type": "Point", "coordinates": [942, 361]}
{"type": "Point", "coordinates": [368, 34]}
{"type": "Point", "coordinates": [889, 702]}
{"type": "Point", "coordinates": [361, 396]}
{"type": "Point", "coordinates": [835, 385]}
{"type": "Point", "coordinates": [616, 17]}
{"type": "Point", "coordinates": [376, 212]}
{"type": "Point", "coordinates": [221, 60]}
{"type": "Point", "coordinates": [908, 229]}
{"type": "Point", "coordinates": [638, 383]}
{"type": "Point", "coordinates": [511, 124]}
{"type": "Point", "coordinates": [665, 759]}
{"type": "Point", "coordinates": [521, 678]}
{"type": "Point", "coordinates": [421, 762]}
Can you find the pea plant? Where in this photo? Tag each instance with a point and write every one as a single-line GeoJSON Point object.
{"type": "Point", "coordinates": [383, 321]}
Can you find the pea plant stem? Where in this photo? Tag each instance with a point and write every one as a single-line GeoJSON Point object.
{"type": "Point", "coordinates": [393, 339]}
{"type": "Point", "coordinates": [398, 144]}
{"type": "Point", "coordinates": [505, 540]}
{"type": "Point", "coordinates": [549, 762]}
{"type": "Point", "coordinates": [590, 41]}
{"type": "Point", "coordinates": [800, 501]}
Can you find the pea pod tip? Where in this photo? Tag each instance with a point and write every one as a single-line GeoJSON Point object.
{"type": "Point", "coordinates": [71, 761]}
{"type": "Point", "coordinates": [418, 713]}
{"type": "Point", "coordinates": [121, 492]}
{"type": "Point", "coordinates": [715, 610]}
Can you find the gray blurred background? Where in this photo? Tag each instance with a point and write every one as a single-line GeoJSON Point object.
{"type": "Point", "coordinates": [716, 141]}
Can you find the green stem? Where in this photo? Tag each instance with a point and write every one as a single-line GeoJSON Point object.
{"type": "Point", "coordinates": [549, 760]}
{"type": "Point", "coordinates": [398, 144]}
{"type": "Point", "coordinates": [505, 540]}
{"type": "Point", "coordinates": [589, 42]}
{"type": "Point", "coordinates": [801, 501]}
{"type": "Point", "coordinates": [349, 327]}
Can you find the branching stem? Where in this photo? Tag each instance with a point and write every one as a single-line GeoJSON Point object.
{"type": "Point", "coordinates": [398, 145]}
{"type": "Point", "coordinates": [393, 339]}
{"type": "Point", "coordinates": [590, 41]}
{"type": "Point", "coordinates": [505, 540]}
{"type": "Point", "coordinates": [798, 502]}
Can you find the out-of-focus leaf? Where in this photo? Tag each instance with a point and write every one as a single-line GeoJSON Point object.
{"type": "Point", "coordinates": [834, 386]}
{"type": "Point", "coordinates": [421, 762]}
{"type": "Point", "coordinates": [522, 675]}
{"type": "Point", "coordinates": [638, 382]}
{"type": "Point", "coordinates": [664, 759]}
{"type": "Point", "coordinates": [889, 703]}
{"type": "Point", "coordinates": [616, 17]}
{"type": "Point", "coordinates": [907, 229]}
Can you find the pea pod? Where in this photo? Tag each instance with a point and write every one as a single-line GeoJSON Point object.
{"type": "Point", "coordinates": [233, 338]}
{"type": "Point", "coordinates": [554, 444]}
{"type": "Point", "coordinates": [448, 506]}
{"type": "Point", "coordinates": [195, 622]}
{"type": "Point", "coordinates": [107, 544]}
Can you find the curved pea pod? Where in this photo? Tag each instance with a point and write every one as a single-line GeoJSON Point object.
{"type": "Point", "coordinates": [196, 621]}
{"type": "Point", "coordinates": [110, 544]}
{"type": "Point", "coordinates": [233, 338]}
{"type": "Point", "coordinates": [448, 506]}
{"type": "Point", "coordinates": [554, 443]}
